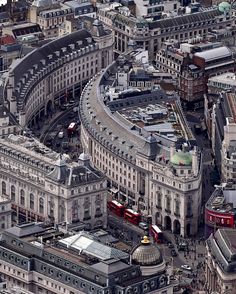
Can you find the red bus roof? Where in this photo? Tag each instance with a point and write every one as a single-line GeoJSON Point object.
{"type": "Point", "coordinates": [117, 203]}
{"type": "Point", "coordinates": [132, 211]}
{"type": "Point", "coordinates": [72, 125]}
{"type": "Point", "coordinates": [156, 229]}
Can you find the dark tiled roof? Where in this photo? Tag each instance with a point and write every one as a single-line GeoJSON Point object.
{"type": "Point", "coordinates": [185, 19]}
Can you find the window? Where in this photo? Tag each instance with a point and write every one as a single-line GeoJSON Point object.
{"type": "Point", "coordinates": [31, 201]}
{"type": "Point", "coordinates": [22, 197]}
{"type": "Point", "coordinates": [4, 188]}
{"type": "Point", "coordinates": [41, 205]}
{"type": "Point", "coordinates": [13, 193]}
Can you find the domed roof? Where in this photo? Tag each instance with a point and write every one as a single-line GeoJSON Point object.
{"type": "Point", "coordinates": [224, 6]}
{"type": "Point", "coordinates": [181, 158]}
{"type": "Point", "coordinates": [146, 254]}
{"type": "Point", "coordinates": [83, 156]}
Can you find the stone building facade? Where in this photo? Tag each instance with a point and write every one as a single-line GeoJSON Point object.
{"type": "Point", "coordinates": [66, 270]}
{"type": "Point", "coordinates": [42, 79]}
{"type": "Point", "coordinates": [150, 34]}
{"type": "Point", "coordinates": [161, 181]}
{"type": "Point", "coordinates": [43, 187]}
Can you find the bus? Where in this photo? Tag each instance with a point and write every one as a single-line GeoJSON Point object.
{"type": "Point", "coordinates": [116, 207]}
{"type": "Point", "coordinates": [156, 233]}
{"type": "Point", "coordinates": [132, 216]}
{"type": "Point", "coordinates": [71, 129]}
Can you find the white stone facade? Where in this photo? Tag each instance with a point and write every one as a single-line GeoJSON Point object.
{"type": "Point", "coordinates": [32, 182]}
{"type": "Point", "coordinates": [172, 199]}
{"type": "Point", "coordinates": [39, 81]}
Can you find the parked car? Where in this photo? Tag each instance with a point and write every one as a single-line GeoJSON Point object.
{"type": "Point", "coordinates": [186, 267]}
{"type": "Point", "coordinates": [173, 253]}
{"type": "Point", "coordinates": [61, 135]}
{"type": "Point", "coordinates": [143, 226]}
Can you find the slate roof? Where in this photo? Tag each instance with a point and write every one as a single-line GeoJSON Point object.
{"type": "Point", "coordinates": [26, 229]}
{"type": "Point", "coordinates": [110, 266]}
{"type": "Point", "coordinates": [20, 67]}
{"type": "Point", "coordinates": [185, 19]}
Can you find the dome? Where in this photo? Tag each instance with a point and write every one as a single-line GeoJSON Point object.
{"type": "Point", "coordinates": [224, 6]}
{"type": "Point", "coordinates": [83, 156]}
{"type": "Point", "coordinates": [146, 254]}
{"type": "Point", "coordinates": [181, 158]}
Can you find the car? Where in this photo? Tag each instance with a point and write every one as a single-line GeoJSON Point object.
{"type": "Point", "coordinates": [186, 267]}
{"type": "Point", "coordinates": [143, 226]}
{"type": "Point", "coordinates": [173, 253]}
{"type": "Point", "coordinates": [61, 135]}
{"type": "Point", "coordinates": [170, 245]}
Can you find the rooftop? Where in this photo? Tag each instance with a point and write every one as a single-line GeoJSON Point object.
{"type": "Point", "coordinates": [223, 199]}
{"type": "Point", "coordinates": [214, 54]}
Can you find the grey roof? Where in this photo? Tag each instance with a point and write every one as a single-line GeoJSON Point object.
{"type": "Point", "coordinates": [185, 19]}
{"type": "Point", "coordinates": [26, 229]}
{"type": "Point", "coordinates": [215, 53]}
{"type": "Point", "coordinates": [223, 249]}
{"type": "Point", "coordinates": [48, 50]}
{"type": "Point", "coordinates": [74, 175]}
{"type": "Point", "coordinates": [110, 266]}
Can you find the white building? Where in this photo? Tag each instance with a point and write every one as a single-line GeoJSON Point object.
{"type": "Point", "coordinates": [44, 187]}
{"type": "Point", "coordinates": [220, 262]}
{"type": "Point", "coordinates": [5, 213]}
{"type": "Point", "coordinates": [223, 82]}
{"type": "Point", "coordinates": [39, 82]}
{"type": "Point", "coordinates": [149, 173]}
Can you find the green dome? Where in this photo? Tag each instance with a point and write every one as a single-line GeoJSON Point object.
{"type": "Point", "coordinates": [224, 7]}
{"type": "Point", "coordinates": [181, 158]}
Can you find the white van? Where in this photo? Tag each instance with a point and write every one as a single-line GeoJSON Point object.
{"type": "Point", "coordinates": [61, 135]}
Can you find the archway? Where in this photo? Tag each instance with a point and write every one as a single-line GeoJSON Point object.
{"type": "Point", "coordinates": [188, 230]}
{"type": "Point", "coordinates": [158, 219]}
{"type": "Point", "coordinates": [168, 223]}
{"type": "Point", "coordinates": [49, 107]}
{"type": "Point", "coordinates": [176, 227]}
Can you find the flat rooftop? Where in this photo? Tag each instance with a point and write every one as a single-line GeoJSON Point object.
{"type": "Point", "coordinates": [223, 200]}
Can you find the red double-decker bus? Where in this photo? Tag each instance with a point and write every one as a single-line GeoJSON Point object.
{"type": "Point", "coordinates": [116, 207]}
{"type": "Point", "coordinates": [156, 233]}
{"type": "Point", "coordinates": [71, 129]}
{"type": "Point", "coordinates": [132, 216]}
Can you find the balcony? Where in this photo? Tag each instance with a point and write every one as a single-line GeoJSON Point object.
{"type": "Point", "coordinates": [158, 207]}
{"type": "Point", "coordinates": [167, 210]}
{"type": "Point", "coordinates": [177, 214]}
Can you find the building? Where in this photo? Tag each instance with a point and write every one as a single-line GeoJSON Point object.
{"type": "Point", "coordinates": [220, 209]}
{"type": "Point", "coordinates": [23, 31]}
{"type": "Point", "coordinates": [220, 262]}
{"type": "Point", "coordinates": [224, 135]}
{"type": "Point", "coordinates": [43, 186]}
{"type": "Point", "coordinates": [223, 82]}
{"type": "Point", "coordinates": [80, 264]}
{"type": "Point", "coordinates": [42, 80]}
{"type": "Point", "coordinates": [151, 33]}
{"type": "Point", "coordinates": [5, 213]}
{"type": "Point", "coordinates": [154, 166]}
{"type": "Point", "coordinates": [192, 64]}
{"type": "Point", "coordinates": [81, 8]}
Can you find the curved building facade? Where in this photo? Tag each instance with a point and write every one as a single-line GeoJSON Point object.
{"type": "Point", "coordinates": [158, 180]}
{"type": "Point", "coordinates": [44, 77]}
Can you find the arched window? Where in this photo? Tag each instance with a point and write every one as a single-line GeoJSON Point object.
{"type": "Point", "coordinates": [41, 205]}
{"type": "Point", "coordinates": [22, 197]}
{"type": "Point", "coordinates": [13, 193]}
{"type": "Point", "coordinates": [4, 188]}
{"type": "Point", "coordinates": [31, 201]}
